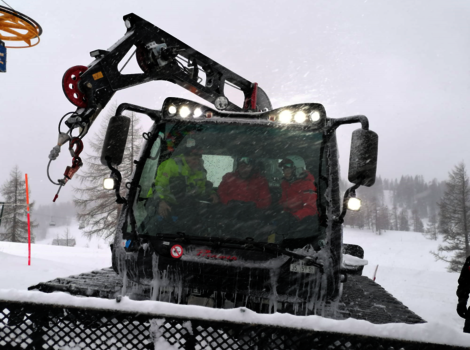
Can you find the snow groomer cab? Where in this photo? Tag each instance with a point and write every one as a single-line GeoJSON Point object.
{"type": "Point", "coordinates": [198, 230]}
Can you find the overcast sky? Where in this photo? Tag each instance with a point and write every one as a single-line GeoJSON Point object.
{"type": "Point", "coordinates": [404, 64]}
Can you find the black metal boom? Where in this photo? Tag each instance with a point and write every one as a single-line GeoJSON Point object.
{"type": "Point", "coordinates": [161, 57]}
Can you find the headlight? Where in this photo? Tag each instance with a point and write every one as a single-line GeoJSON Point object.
{"type": "Point", "coordinates": [172, 110]}
{"type": "Point", "coordinates": [197, 113]}
{"type": "Point", "coordinates": [315, 116]}
{"type": "Point", "coordinates": [184, 112]}
{"type": "Point", "coordinates": [354, 204]}
{"type": "Point", "coordinates": [300, 117]}
{"type": "Point", "coordinates": [108, 183]}
{"type": "Point", "coordinates": [285, 116]}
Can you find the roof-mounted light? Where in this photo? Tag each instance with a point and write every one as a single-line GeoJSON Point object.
{"type": "Point", "coordinates": [300, 117]}
{"type": "Point", "coordinates": [184, 112]}
{"type": "Point", "coordinates": [172, 110]}
{"type": "Point", "coordinates": [221, 103]}
{"type": "Point", "coordinates": [315, 116]}
{"type": "Point", "coordinates": [197, 112]}
{"type": "Point", "coordinates": [285, 116]}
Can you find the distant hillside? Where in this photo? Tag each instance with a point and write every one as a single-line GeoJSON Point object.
{"type": "Point", "coordinates": [397, 204]}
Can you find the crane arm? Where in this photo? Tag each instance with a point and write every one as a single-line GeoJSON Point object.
{"type": "Point", "coordinates": [160, 57]}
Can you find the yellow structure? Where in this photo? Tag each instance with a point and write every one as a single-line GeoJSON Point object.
{"type": "Point", "coordinates": [17, 27]}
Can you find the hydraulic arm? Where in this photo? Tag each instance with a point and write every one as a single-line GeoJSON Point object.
{"type": "Point", "coordinates": [161, 57]}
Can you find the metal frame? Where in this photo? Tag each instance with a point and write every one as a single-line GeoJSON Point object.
{"type": "Point", "coordinates": [156, 53]}
{"type": "Point", "coordinates": [26, 325]}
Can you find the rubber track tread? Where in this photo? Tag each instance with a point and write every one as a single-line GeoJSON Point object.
{"type": "Point", "coordinates": [367, 300]}
{"type": "Point", "coordinates": [363, 298]}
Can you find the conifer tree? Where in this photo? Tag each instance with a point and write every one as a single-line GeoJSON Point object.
{"type": "Point", "coordinates": [404, 224]}
{"type": "Point", "coordinates": [14, 220]}
{"type": "Point", "coordinates": [395, 218]}
{"type": "Point", "coordinates": [454, 220]}
{"type": "Point", "coordinates": [417, 223]}
{"type": "Point", "coordinates": [384, 218]}
{"type": "Point", "coordinates": [98, 210]}
{"type": "Point", "coordinates": [432, 227]}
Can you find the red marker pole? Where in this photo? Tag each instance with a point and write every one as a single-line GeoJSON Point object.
{"type": "Point", "coordinates": [29, 222]}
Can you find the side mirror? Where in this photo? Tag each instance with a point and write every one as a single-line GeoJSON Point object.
{"type": "Point", "coordinates": [363, 157]}
{"type": "Point", "coordinates": [115, 140]}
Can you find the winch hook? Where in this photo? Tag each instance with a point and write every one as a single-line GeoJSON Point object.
{"type": "Point", "coordinates": [76, 163]}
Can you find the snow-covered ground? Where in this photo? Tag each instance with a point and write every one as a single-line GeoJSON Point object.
{"type": "Point", "coordinates": [406, 270]}
{"type": "Point", "coordinates": [48, 261]}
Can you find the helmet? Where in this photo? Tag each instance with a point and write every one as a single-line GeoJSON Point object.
{"type": "Point", "coordinates": [286, 163]}
{"type": "Point", "coordinates": [295, 162]}
{"type": "Point", "coordinates": [190, 148]}
{"type": "Point", "coordinates": [246, 160]}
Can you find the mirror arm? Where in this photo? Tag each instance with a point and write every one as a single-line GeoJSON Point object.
{"type": "Point", "coordinates": [154, 114]}
{"type": "Point", "coordinates": [335, 123]}
{"type": "Point", "coordinates": [350, 192]}
{"type": "Point", "coordinates": [116, 175]}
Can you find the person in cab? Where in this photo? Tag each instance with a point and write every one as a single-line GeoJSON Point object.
{"type": "Point", "coordinates": [245, 184]}
{"type": "Point", "coordinates": [299, 193]}
{"type": "Point", "coordinates": [180, 180]}
{"type": "Point", "coordinates": [299, 204]}
{"type": "Point", "coordinates": [245, 196]}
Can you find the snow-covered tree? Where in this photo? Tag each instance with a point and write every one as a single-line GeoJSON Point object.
{"type": "Point", "coordinates": [14, 220]}
{"type": "Point", "coordinates": [382, 218]}
{"type": "Point", "coordinates": [395, 222]}
{"type": "Point", "coordinates": [403, 223]}
{"type": "Point", "coordinates": [432, 227]}
{"type": "Point", "coordinates": [98, 210]}
{"type": "Point", "coordinates": [454, 219]}
{"type": "Point", "coordinates": [417, 222]}
{"type": "Point", "coordinates": [68, 237]}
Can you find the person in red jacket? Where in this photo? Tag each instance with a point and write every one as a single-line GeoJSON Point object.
{"type": "Point", "coordinates": [299, 201]}
{"type": "Point", "coordinates": [245, 185]}
{"type": "Point", "coordinates": [299, 194]}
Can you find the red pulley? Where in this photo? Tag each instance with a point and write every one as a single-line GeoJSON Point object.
{"type": "Point", "coordinates": [142, 59]}
{"type": "Point", "coordinates": [70, 86]}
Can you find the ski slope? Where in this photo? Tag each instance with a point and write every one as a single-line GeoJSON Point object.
{"type": "Point", "coordinates": [406, 270]}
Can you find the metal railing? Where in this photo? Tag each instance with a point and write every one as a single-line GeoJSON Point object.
{"type": "Point", "coordinates": [27, 325]}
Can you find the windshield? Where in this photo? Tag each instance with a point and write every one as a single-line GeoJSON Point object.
{"type": "Point", "coordinates": [241, 181]}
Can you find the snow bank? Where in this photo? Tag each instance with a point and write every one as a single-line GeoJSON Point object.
{"type": "Point", "coordinates": [47, 262]}
{"type": "Point", "coordinates": [410, 273]}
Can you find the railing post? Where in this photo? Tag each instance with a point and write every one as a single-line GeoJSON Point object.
{"type": "Point", "coordinates": [40, 319]}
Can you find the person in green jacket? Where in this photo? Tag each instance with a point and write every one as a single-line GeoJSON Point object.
{"type": "Point", "coordinates": [180, 179]}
